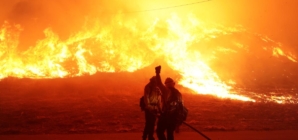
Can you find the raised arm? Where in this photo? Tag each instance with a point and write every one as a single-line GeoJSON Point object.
{"type": "Point", "coordinates": [161, 86]}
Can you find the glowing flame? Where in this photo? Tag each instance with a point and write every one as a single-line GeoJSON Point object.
{"type": "Point", "coordinates": [126, 46]}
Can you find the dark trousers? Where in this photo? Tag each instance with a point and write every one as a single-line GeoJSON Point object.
{"type": "Point", "coordinates": [150, 119]}
{"type": "Point", "coordinates": [166, 123]}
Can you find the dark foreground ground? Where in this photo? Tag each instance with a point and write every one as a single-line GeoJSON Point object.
{"type": "Point", "coordinates": [231, 135]}
{"type": "Point", "coordinates": [107, 108]}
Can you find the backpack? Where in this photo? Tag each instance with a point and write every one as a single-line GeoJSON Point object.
{"type": "Point", "coordinates": [180, 110]}
{"type": "Point", "coordinates": [142, 103]}
{"type": "Point", "coordinates": [182, 113]}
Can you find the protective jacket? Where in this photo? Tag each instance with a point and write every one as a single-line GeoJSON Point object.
{"type": "Point", "coordinates": [152, 98]}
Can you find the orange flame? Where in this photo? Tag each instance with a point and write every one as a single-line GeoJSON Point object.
{"type": "Point", "coordinates": [124, 46]}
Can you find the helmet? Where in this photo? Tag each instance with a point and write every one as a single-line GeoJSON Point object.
{"type": "Point", "coordinates": [169, 80]}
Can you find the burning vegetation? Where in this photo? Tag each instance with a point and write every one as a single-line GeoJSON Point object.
{"type": "Point", "coordinates": [207, 58]}
{"type": "Point", "coordinates": [81, 66]}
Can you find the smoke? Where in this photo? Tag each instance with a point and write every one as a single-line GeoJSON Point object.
{"type": "Point", "coordinates": [74, 37]}
{"type": "Point", "coordinates": [63, 17]}
{"type": "Point", "coordinates": [277, 19]}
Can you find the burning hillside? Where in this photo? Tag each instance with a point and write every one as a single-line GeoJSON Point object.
{"type": "Point", "coordinates": [208, 58]}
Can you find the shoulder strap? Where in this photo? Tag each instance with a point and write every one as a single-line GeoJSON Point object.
{"type": "Point", "coordinates": [175, 94]}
